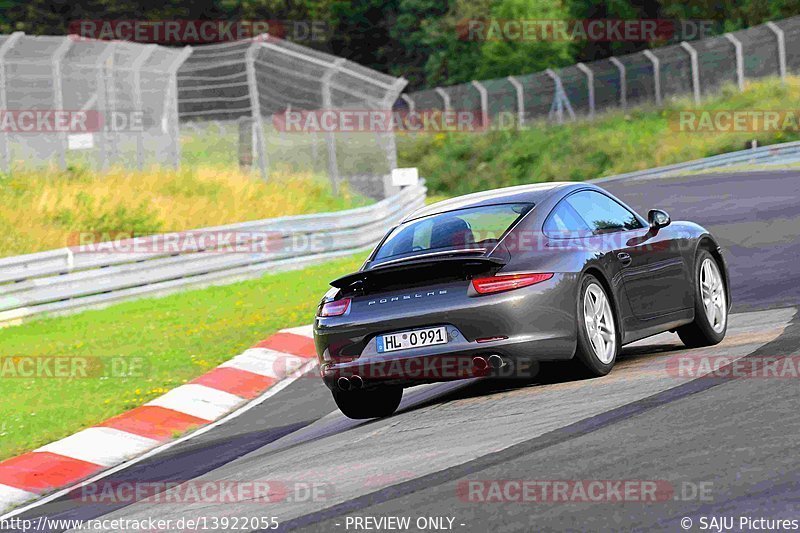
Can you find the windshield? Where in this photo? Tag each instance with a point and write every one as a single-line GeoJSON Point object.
{"type": "Point", "coordinates": [473, 228]}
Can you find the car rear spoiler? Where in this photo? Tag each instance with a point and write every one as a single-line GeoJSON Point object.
{"type": "Point", "coordinates": [468, 263]}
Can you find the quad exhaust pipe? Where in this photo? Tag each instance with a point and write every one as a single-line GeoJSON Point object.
{"type": "Point", "coordinates": [493, 361]}
{"type": "Point", "coordinates": [480, 363]}
{"type": "Point", "coordinates": [496, 362]}
{"type": "Point", "coordinates": [343, 383]}
{"type": "Point", "coordinates": [351, 383]}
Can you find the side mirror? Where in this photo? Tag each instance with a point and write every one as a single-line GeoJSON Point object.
{"type": "Point", "coordinates": [658, 218]}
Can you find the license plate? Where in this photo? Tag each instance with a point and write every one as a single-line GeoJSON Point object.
{"type": "Point", "coordinates": [412, 339]}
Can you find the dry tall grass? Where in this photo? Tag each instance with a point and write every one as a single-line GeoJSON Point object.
{"type": "Point", "coordinates": [40, 210]}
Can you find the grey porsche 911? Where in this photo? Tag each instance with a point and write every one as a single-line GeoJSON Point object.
{"type": "Point", "coordinates": [548, 272]}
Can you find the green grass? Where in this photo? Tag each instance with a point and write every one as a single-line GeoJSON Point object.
{"type": "Point", "coordinates": [459, 163]}
{"type": "Point", "coordinates": [180, 337]}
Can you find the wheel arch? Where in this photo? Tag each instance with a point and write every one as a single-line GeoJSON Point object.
{"type": "Point", "coordinates": [707, 242]}
{"type": "Point", "coordinates": [598, 273]}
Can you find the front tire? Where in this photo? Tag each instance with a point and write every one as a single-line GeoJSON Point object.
{"type": "Point", "coordinates": [369, 403]}
{"type": "Point", "coordinates": [710, 305]}
{"type": "Point", "coordinates": [598, 334]}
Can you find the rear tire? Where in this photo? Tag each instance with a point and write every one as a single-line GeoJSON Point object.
{"type": "Point", "coordinates": [369, 403]}
{"type": "Point", "coordinates": [710, 305]}
{"type": "Point", "coordinates": [598, 334]}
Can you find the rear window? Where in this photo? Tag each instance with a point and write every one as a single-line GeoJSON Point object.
{"type": "Point", "coordinates": [462, 229]}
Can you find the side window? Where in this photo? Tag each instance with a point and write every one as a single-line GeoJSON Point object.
{"type": "Point", "coordinates": [601, 213]}
{"type": "Point", "coordinates": [564, 222]}
{"type": "Point", "coordinates": [489, 225]}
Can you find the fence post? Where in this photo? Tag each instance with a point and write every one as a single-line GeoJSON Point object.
{"type": "Point", "coordinates": [589, 85]}
{"type": "Point", "coordinates": [560, 100]}
{"type": "Point", "coordinates": [656, 74]}
{"type": "Point", "coordinates": [330, 140]}
{"type": "Point", "coordinates": [255, 109]}
{"type": "Point", "coordinates": [110, 94]}
{"type": "Point", "coordinates": [781, 48]}
{"type": "Point", "coordinates": [7, 45]}
{"type": "Point", "coordinates": [102, 100]}
{"type": "Point", "coordinates": [737, 46]}
{"type": "Point", "coordinates": [695, 70]}
{"type": "Point", "coordinates": [520, 100]}
{"type": "Point", "coordinates": [172, 99]}
{"type": "Point", "coordinates": [58, 95]}
{"type": "Point", "coordinates": [409, 102]}
{"type": "Point", "coordinates": [445, 98]}
{"type": "Point", "coordinates": [623, 82]}
{"type": "Point", "coordinates": [137, 98]}
{"type": "Point", "coordinates": [556, 107]}
{"type": "Point", "coordinates": [391, 146]}
{"type": "Point", "coordinates": [484, 103]}
{"type": "Point", "coordinates": [246, 146]}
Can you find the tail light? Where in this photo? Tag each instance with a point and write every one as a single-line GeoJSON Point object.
{"type": "Point", "coordinates": [508, 282]}
{"type": "Point", "coordinates": [335, 308]}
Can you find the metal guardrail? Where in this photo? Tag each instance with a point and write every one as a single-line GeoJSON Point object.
{"type": "Point", "coordinates": [77, 278]}
{"type": "Point", "coordinates": [772, 154]}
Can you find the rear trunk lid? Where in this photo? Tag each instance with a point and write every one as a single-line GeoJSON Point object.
{"type": "Point", "coordinates": [418, 273]}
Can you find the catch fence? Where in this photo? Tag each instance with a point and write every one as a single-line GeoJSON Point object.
{"type": "Point", "coordinates": [652, 77]}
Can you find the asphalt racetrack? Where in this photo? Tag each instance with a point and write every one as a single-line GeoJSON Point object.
{"type": "Point", "coordinates": [722, 446]}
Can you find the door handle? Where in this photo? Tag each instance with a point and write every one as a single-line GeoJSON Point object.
{"type": "Point", "coordinates": [624, 258]}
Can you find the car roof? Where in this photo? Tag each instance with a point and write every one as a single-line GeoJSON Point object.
{"type": "Point", "coordinates": [533, 193]}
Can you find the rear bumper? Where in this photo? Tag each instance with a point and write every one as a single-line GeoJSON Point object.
{"type": "Point", "coordinates": [426, 365]}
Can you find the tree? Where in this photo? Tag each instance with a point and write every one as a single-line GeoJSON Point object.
{"type": "Point", "coordinates": [53, 17]}
{"type": "Point", "coordinates": [410, 33]}
{"type": "Point", "coordinates": [614, 10]}
{"type": "Point", "coordinates": [360, 30]}
{"type": "Point", "coordinates": [500, 58]}
{"type": "Point", "coordinates": [451, 58]}
{"type": "Point", "coordinates": [732, 15]}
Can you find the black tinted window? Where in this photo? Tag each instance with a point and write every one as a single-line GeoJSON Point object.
{"type": "Point", "coordinates": [601, 213]}
{"type": "Point", "coordinates": [472, 227]}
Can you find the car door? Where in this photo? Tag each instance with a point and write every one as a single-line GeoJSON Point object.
{"type": "Point", "coordinates": [651, 267]}
{"type": "Point", "coordinates": [565, 228]}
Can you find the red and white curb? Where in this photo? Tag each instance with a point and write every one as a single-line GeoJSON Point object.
{"type": "Point", "coordinates": [129, 435]}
